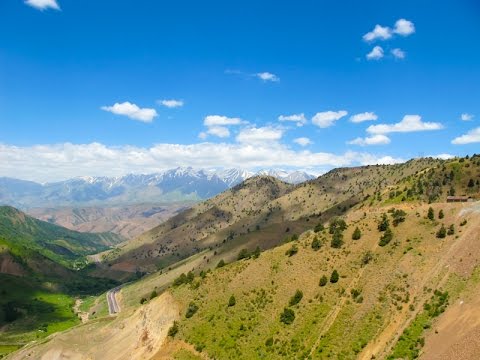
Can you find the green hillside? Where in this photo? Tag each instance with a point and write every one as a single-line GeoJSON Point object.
{"type": "Point", "coordinates": [56, 243]}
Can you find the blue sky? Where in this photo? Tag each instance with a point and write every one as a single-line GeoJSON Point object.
{"type": "Point", "coordinates": [82, 84]}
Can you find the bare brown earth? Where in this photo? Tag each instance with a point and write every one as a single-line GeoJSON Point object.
{"type": "Point", "coordinates": [8, 265]}
{"type": "Point", "coordinates": [132, 335]}
{"type": "Point", "coordinates": [128, 221]}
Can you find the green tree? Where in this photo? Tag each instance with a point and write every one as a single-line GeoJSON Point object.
{"type": "Point", "coordinates": [384, 224]}
{"type": "Point", "coordinates": [357, 234]}
{"type": "Point", "coordinates": [292, 251]}
{"type": "Point", "coordinates": [471, 183]}
{"type": "Point", "coordinates": [441, 215]}
{"type": "Point", "coordinates": [243, 254]}
{"type": "Point", "coordinates": [287, 316]}
{"type": "Point", "coordinates": [386, 237]}
{"type": "Point", "coordinates": [191, 310]}
{"type": "Point", "coordinates": [323, 281]}
{"type": "Point", "coordinates": [232, 301]}
{"type": "Point", "coordinates": [334, 277]}
{"type": "Point", "coordinates": [153, 295]}
{"type": "Point", "coordinates": [296, 298]}
{"type": "Point", "coordinates": [173, 329]}
{"type": "Point", "coordinates": [316, 243]}
{"type": "Point", "coordinates": [337, 224]}
{"type": "Point", "coordinates": [221, 263]}
{"type": "Point", "coordinates": [442, 232]}
{"type": "Point", "coordinates": [431, 214]}
{"type": "Point", "coordinates": [337, 240]}
{"type": "Point", "coordinates": [319, 227]}
{"type": "Point", "coordinates": [451, 230]}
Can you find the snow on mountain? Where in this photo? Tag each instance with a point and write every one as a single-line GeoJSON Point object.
{"type": "Point", "coordinates": [179, 184]}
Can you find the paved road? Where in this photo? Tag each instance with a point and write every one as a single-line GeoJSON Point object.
{"type": "Point", "coordinates": [113, 307]}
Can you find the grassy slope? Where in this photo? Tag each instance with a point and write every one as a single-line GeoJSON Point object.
{"type": "Point", "coordinates": [259, 212]}
{"type": "Point", "coordinates": [329, 322]}
{"type": "Point", "coordinates": [54, 242]}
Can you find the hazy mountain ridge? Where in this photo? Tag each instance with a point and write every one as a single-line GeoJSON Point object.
{"type": "Point", "coordinates": [180, 184]}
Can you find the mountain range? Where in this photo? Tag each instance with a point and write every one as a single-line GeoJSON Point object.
{"type": "Point", "coordinates": [180, 184]}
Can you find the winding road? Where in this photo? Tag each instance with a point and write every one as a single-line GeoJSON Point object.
{"type": "Point", "coordinates": [113, 307]}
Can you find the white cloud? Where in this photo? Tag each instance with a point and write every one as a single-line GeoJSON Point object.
{"type": "Point", "coordinates": [398, 53]}
{"type": "Point", "coordinates": [56, 162]}
{"type": "Point", "coordinates": [376, 53]}
{"type": "Point", "coordinates": [43, 4]}
{"type": "Point", "coordinates": [379, 32]}
{"type": "Point", "coordinates": [220, 131]}
{"type": "Point", "coordinates": [467, 117]}
{"type": "Point", "coordinates": [171, 103]}
{"type": "Point", "coordinates": [473, 136]}
{"type": "Point", "coordinates": [327, 118]}
{"type": "Point", "coordinates": [298, 118]}
{"type": "Point", "coordinates": [219, 120]}
{"type": "Point", "coordinates": [302, 141]}
{"type": "Point", "coordinates": [372, 140]}
{"type": "Point", "coordinates": [409, 123]}
{"type": "Point", "coordinates": [266, 76]}
{"type": "Point", "coordinates": [366, 116]}
{"type": "Point", "coordinates": [442, 156]}
{"type": "Point", "coordinates": [254, 135]}
{"type": "Point", "coordinates": [132, 111]}
{"type": "Point", "coordinates": [404, 27]}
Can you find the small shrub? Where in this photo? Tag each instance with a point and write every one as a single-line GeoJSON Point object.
{"type": "Point", "coordinates": [323, 281]}
{"type": "Point", "coordinates": [464, 222]}
{"type": "Point", "coordinates": [232, 301]}
{"type": "Point", "coordinates": [431, 214]}
{"type": "Point", "coordinates": [295, 299]}
{"type": "Point", "coordinates": [153, 295]}
{"type": "Point", "coordinates": [334, 277]}
{"type": "Point", "coordinates": [287, 316]}
{"type": "Point", "coordinates": [143, 300]}
{"type": "Point", "coordinates": [451, 230]}
{"type": "Point", "coordinates": [441, 215]}
{"type": "Point", "coordinates": [269, 342]}
{"type": "Point", "coordinates": [173, 329]}
{"type": "Point", "coordinates": [367, 257]}
{"type": "Point", "coordinates": [442, 232]}
{"type": "Point", "coordinates": [384, 223]}
{"type": "Point", "coordinates": [191, 310]}
{"type": "Point", "coordinates": [337, 240]}
{"type": "Point", "coordinates": [357, 234]}
{"type": "Point", "coordinates": [292, 251]}
{"type": "Point", "coordinates": [319, 227]}
{"type": "Point", "coordinates": [221, 264]}
{"type": "Point", "coordinates": [316, 243]}
{"type": "Point", "coordinates": [386, 238]}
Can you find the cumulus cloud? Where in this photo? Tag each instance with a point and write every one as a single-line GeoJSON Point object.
{"type": "Point", "coordinates": [404, 27]}
{"type": "Point", "coordinates": [376, 53]}
{"type": "Point", "coordinates": [442, 156]}
{"type": "Point", "coordinates": [220, 131]}
{"type": "Point", "coordinates": [299, 119]}
{"type": "Point", "coordinates": [61, 161]}
{"type": "Point", "coordinates": [473, 136]}
{"type": "Point", "coordinates": [302, 141]}
{"type": "Point", "coordinates": [220, 120]}
{"type": "Point", "coordinates": [398, 53]}
{"type": "Point", "coordinates": [467, 117]}
{"type": "Point", "coordinates": [366, 116]}
{"type": "Point", "coordinates": [132, 111]}
{"type": "Point", "coordinates": [372, 140]}
{"type": "Point", "coordinates": [43, 4]}
{"type": "Point", "coordinates": [172, 103]}
{"type": "Point", "coordinates": [261, 135]}
{"type": "Point", "coordinates": [327, 118]}
{"type": "Point", "coordinates": [409, 123]}
{"type": "Point", "coordinates": [266, 76]}
{"type": "Point", "coordinates": [379, 32]}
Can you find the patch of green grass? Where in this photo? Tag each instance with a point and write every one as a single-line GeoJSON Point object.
{"type": "Point", "coordinates": [183, 354]}
{"type": "Point", "coordinates": [37, 310]}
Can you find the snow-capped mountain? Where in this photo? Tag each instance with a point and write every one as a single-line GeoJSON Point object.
{"type": "Point", "coordinates": [180, 184]}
